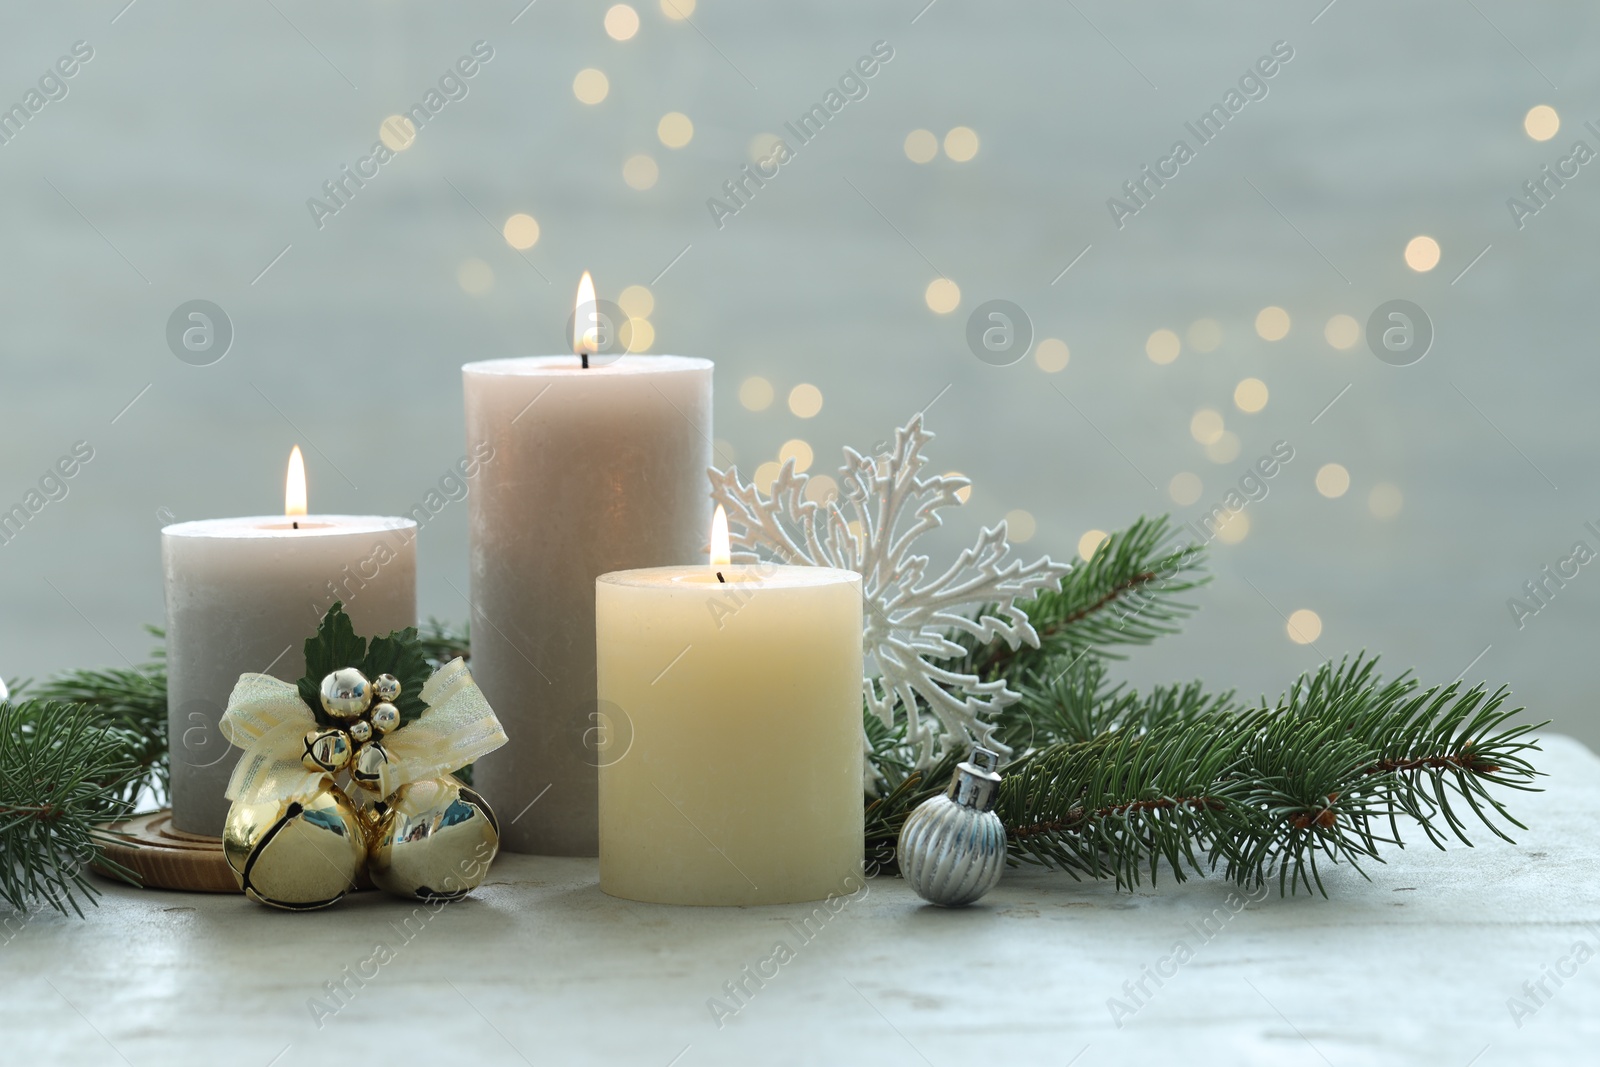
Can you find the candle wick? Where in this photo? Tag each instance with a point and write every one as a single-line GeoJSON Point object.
{"type": "Point", "coordinates": [297, 524]}
{"type": "Point", "coordinates": [585, 357]}
{"type": "Point", "coordinates": [721, 579]}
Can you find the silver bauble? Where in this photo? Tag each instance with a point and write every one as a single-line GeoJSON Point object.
{"type": "Point", "coordinates": [300, 855]}
{"type": "Point", "coordinates": [385, 717]}
{"type": "Point", "coordinates": [953, 847]}
{"type": "Point", "coordinates": [386, 687]}
{"type": "Point", "coordinates": [434, 841]}
{"type": "Point", "coordinates": [346, 693]}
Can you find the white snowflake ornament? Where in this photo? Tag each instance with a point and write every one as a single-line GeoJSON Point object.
{"type": "Point", "coordinates": [871, 526]}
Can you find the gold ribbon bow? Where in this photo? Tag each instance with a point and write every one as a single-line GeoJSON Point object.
{"type": "Point", "coordinates": [267, 718]}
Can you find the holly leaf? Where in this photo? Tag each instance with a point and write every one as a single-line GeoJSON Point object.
{"type": "Point", "coordinates": [335, 647]}
{"type": "Point", "coordinates": [400, 654]}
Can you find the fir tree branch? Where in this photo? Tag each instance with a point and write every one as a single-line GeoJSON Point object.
{"type": "Point", "coordinates": [1268, 792]}
{"type": "Point", "coordinates": [1078, 704]}
{"type": "Point", "coordinates": [1128, 593]}
{"type": "Point", "coordinates": [62, 771]}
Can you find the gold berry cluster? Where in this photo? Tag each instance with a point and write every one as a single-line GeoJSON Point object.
{"type": "Point", "coordinates": [366, 712]}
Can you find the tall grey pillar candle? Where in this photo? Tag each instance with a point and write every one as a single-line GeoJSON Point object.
{"type": "Point", "coordinates": [595, 469]}
{"type": "Point", "coordinates": [242, 597]}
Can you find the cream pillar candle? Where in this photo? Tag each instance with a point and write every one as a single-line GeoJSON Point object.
{"type": "Point", "coordinates": [731, 764]}
{"type": "Point", "coordinates": [596, 469]}
{"type": "Point", "coordinates": [243, 595]}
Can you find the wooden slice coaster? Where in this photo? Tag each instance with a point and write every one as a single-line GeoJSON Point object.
{"type": "Point", "coordinates": [164, 857]}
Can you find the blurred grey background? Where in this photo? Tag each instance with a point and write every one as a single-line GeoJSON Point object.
{"type": "Point", "coordinates": [176, 164]}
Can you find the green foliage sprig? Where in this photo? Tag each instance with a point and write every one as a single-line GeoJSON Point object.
{"type": "Point", "coordinates": [1264, 793]}
{"type": "Point", "coordinates": [1132, 591]}
{"type": "Point", "coordinates": [63, 769]}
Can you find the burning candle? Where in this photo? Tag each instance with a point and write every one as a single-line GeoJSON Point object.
{"type": "Point", "coordinates": [600, 464]}
{"type": "Point", "coordinates": [243, 595]}
{"type": "Point", "coordinates": [731, 761]}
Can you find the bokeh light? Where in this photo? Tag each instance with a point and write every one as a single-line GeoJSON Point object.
{"type": "Point", "coordinates": [1385, 500]}
{"type": "Point", "coordinates": [1206, 426]}
{"type": "Point", "coordinates": [1021, 526]}
{"type": "Point", "coordinates": [921, 146]}
{"type": "Point", "coordinates": [1052, 355]}
{"type": "Point", "coordinates": [1162, 347]}
{"type": "Point", "coordinates": [640, 172]}
{"type": "Point", "coordinates": [961, 144]}
{"type": "Point", "coordinates": [622, 22]}
{"type": "Point", "coordinates": [963, 494]}
{"type": "Point", "coordinates": [591, 85]}
{"type": "Point", "coordinates": [521, 231]}
{"type": "Point", "coordinates": [637, 335]}
{"type": "Point", "coordinates": [820, 489]}
{"type": "Point", "coordinates": [1250, 395]}
{"type": "Point", "coordinates": [675, 130]}
{"type": "Point", "coordinates": [1541, 122]}
{"type": "Point", "coordinates": [638, 301]}
{"type": "Point", "coordinates": [805, 400]}
{"type": "Point", "coordinates": [797, 450]}
{"type": "Point", "coordinates": [475, 277]}
{"type": "Point", "coordinates": [755, 394]}
{"type": "Point", "coordinates": [1305, 626]}
{"type": "Point", "coordinates": [677, 10]}
{"type": "Point", "coordinates": [1090, 543]}
{"type": "Point", "coordinates": [1234, 528]}
{"type": "Point", "coordinates": [761, 147]}
{"type": "Point", "coordinates": [1272, 323]}
{"type": "Point", "coordinates": [765, 475]}
{"type": "Point", "coordinates": [1185, 488]}
{"type": "Point", "coordinates": [1342, 331]}
{"type": "Point", "coordinates": [1422, 253]}
{"type": "Point", "coordinates": [1333, 481]}
{"type": "Point", "coordinates": [1225, 449]}
{"type": "Point", "coordinates": [942, 295]}
{"type": "Point", "coordinates": [397, 133]}
{"type": "Point", "coordinates": [1205, 335]}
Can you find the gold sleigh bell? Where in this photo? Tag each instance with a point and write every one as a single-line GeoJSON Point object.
{"type": "Point", "coordinates": [296, 839]}
{"type": "Point", "coordinates": [298, 855]}
{"type": "Point", "coordinates": [434, 841]}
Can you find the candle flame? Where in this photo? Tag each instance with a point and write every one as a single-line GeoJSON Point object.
{"type": "Point", "coordinates": [720, 556]}
{"type": "Point", "coordinates": [294, 486]}
{"type": "Point", "coordinates": [586, 319]}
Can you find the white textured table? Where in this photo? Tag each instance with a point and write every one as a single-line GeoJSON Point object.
{"type": "Point", "coordinates": [1417, 966]}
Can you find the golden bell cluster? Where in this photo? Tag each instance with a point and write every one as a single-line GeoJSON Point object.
{"type": "Point", "coordinates": [431, 840]}
{"type": "Point", "coordinates": [368, 711]}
